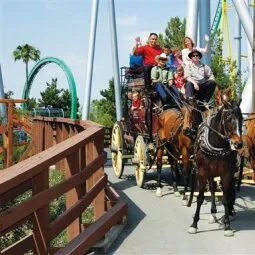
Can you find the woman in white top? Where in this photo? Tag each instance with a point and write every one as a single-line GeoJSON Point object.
{"type": "Point", "coordinates": [189, 45]}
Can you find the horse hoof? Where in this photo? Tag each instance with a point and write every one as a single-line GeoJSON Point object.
{"type": "Point", "coordinates": [228, 233]}
{"type": "Point", "coordinates": [192, 230]}
{"type": "Point", "coordinates": [205, 202]}
{"type": "Point", "coordinates": [212, 219]}
{"type": "Point", "coordinates": [177, 194]}
{"type": "Point", "coordinates": [159, 192]}
{"type": "Point", "coordinates": [184, 202]}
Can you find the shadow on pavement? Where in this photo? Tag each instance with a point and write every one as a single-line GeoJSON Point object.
{"type": "Point", "coordinates": [135, 215]}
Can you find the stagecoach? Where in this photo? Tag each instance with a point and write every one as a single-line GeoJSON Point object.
{"type": "Point", "coordinates": [134, 136]}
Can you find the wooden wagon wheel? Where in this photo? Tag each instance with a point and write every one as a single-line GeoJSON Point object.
{"type": "Point", "coordinates": [117, 149]}
{"type": "Point", "coordinates": [141, 161]}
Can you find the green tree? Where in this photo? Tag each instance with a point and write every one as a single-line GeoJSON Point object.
{"type": "Point", "coordinates": [57, 98]}
{"type": "Point", "coordinates": [225, 71]}
{"type": "Point", "coordinates": [174, 33]}
{"type": "Point", "coordinates": [51, 95]}
{"type": "Point", "coordinates": [103, 111]}
{"type": "Point", "coordinates": [26, 53]}
{"type": "Point", "coordinates": [8, 94]}
{"type": "Point", "coordinates": [31, 103]}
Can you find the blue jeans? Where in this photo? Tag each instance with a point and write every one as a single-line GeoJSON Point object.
{"type": "Point", "coordinates": [166, 97]}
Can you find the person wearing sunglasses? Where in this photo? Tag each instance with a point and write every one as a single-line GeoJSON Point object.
{"type": "Point", "coordinates": [200, 81]}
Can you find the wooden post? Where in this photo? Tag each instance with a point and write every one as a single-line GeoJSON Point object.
{"type": "Point", "coordinates": [73, 195]}
{"type": "Point", "coordinates": [5, 140]}
{"type": "Point", "coordinates": [10, 134]}
{"type": "Point", "coordinates": [41, 216]}
{"type": "Point", "coordinates": [99, 202]}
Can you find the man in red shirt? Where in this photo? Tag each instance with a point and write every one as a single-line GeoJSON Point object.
{"type": "Point", "coordinates": [149, 52]}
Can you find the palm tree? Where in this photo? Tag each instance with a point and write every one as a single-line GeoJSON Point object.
{"type": "Point", "coordinates": [26, 52]}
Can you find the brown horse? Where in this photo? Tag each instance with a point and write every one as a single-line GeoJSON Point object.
{"type": "Point", "coordinates": [177, 144]}
{"type": "Point", "coordinates": [215, 155]}
{"type": "Point", "coordinates": [250, 144]}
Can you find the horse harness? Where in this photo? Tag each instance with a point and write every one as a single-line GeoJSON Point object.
{"type": "Point", "coordinates": [167, 143]}
{"type": "Point", "coordinates": [203, 140]}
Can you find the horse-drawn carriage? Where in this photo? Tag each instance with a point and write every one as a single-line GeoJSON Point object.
{"type": "Point", "coordinates": [133, 137]}
{"type": "Point", "coordinates": [141, 137]}
{"type": "Point", "coordinates": [143, 134]}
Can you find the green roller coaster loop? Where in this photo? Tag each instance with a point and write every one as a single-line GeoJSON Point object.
{"type": "Point", "coordinates": [217, 18]}
{"type": "Point", "coordinates": [69, 77]}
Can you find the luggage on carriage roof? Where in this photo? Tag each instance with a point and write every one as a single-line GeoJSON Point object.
{"type": "Point", "coordinates": [135, 82]}
{"type": "Point", "coordinates": [135, 61]}
{"type": "Point", "coordinates": [134, 72]}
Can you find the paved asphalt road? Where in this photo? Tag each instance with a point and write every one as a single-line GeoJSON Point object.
{"type": "Point", "coordinates": [159, 225]}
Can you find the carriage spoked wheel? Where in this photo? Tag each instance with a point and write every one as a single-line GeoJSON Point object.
{"type": "Point", "coordinates": [140, 161]}
{"type": "Point", "coordinates": [117, 149]}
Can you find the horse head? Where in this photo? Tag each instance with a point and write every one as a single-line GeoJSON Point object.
{"type": "Point", "coordinates": [232, 120]}
{"type": "Point", "coordinates": [222, 95]}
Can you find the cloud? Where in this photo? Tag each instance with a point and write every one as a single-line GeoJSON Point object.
{"type": "Point", "coordinates": [127, 21]}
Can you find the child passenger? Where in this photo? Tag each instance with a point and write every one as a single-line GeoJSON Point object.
{"type": "Point", "coordinates": [179, 79]}
{"type": "Point", "coordinates": [137, 103]}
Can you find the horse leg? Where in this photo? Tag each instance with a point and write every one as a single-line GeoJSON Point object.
{"type": "Point", "coordinates": [186, 173]}
{"type": "Point", "coordinates": [231, 209]}
{"type": "Point", "coordinates": [226, 184]}
{"type": "Point", "coordinates": [175, 177]}
{"type": "Point", "coordinates": [159, 168]}
{"type": "Point", "coordinates": [212, 218]}
{"type": "Point", "coordinates": [240, 174]}
{"type": "Point", "coordinates": [200, 199]}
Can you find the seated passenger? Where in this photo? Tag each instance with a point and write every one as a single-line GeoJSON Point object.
{"type": "Point", "coordinates": [162, 79]}
{"type": "Point", "coordinates": [189, 45]}
{"type": "Point", "coordinates": [148, 52]}
{"type": "Point", "coordinates": [169, 53]}
{"type": "Point", "coordinates": [129, 99]}
{"type": "Point", "coordinates": [200, 79]}
{"type": "Point", "coordinates": [177, 57]}
{"type": "Point", "coordinates": [200, 83]}
{"type": "Point", "coordinates": [137, 103]}
{"type": "Point", "coordinates": [136, 60]}
{"type": "Point", "coordinates": [179, 80]}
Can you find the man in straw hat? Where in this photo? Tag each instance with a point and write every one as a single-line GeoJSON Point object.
{"type": "Point", "coordinates": [200, 79]}
{"type": "Point", "coordinates": [162, 78]}
{"type": "Point", "coordinates": [200, 83]}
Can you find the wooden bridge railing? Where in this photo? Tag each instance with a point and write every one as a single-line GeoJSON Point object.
{"type": "Point", "coordinates": [76, 148]}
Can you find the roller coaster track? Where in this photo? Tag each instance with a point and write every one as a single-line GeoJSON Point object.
{"type": "Point", "coordinates": [217, 18]}
{"type": "Point", "coordinates": [69, 77]}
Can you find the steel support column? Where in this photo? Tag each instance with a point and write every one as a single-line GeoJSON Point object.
{"type": "Point", "coordinates": [204, 27]}
{"type": "Point", "coordinates": [192, 18]}
{"type": "Point", "coordinates": [115, 59]}
{"type": "Point", "coordinates": [92, 39]}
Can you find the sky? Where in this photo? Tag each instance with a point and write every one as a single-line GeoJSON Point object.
{"type": "Point", "coordinates": [60, 28]}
